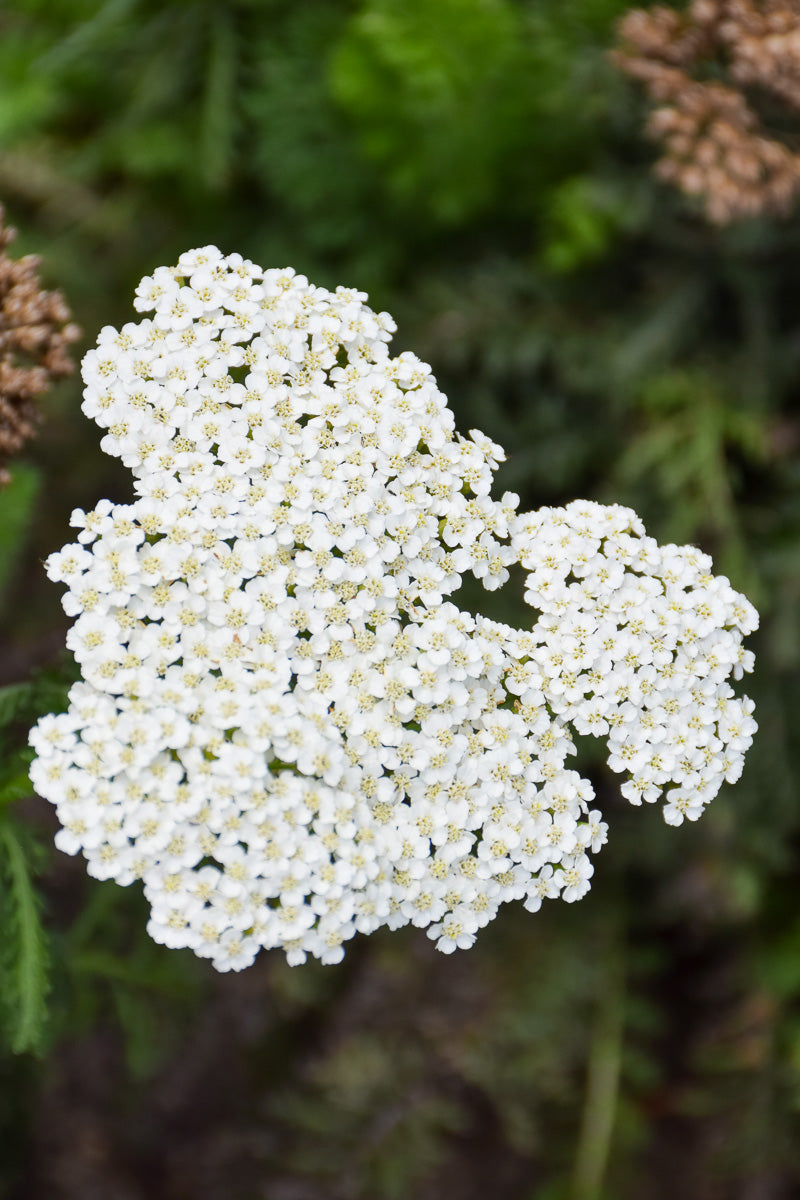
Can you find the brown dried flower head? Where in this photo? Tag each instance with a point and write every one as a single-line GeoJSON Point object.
{"type": "Point", "coordinates": [35, 331]}
{"type": "Point", "coordinates": [713, 70]}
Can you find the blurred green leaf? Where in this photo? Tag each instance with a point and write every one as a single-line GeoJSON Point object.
{"type": "Point", "coordinates": [24, 955]}
{"type": "Point", "coordinates": [17, 503]}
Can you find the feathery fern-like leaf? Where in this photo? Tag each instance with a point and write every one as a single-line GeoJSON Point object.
{"type": "Point", "coordinates": [25, 954]}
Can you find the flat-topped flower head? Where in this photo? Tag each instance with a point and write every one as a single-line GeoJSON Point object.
{"type": "Point", "coordinates": [638, 643]}
{"type": "Point", "coordinates": [285, 727]}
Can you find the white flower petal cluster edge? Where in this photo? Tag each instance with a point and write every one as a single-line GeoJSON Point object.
{"type": "Point", "coordinates": [284, 727]}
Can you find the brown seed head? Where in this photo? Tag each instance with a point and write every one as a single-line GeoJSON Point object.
{"type": "Point", "coordinates": [35, 331]}
{"type": "Point", "coordinates": [714, 143]}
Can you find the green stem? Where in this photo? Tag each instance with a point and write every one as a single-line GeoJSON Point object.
{"type": "Point", "coordinates": [602, 1086]}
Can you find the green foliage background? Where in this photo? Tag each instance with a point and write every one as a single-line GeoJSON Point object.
{"type": "Point", "coordinates": [479, 168]}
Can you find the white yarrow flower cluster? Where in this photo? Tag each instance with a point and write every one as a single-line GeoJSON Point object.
{"type": "Point", "coordinates": [284, 727]}
{"type": "Point", "coordinates": [638, 642]}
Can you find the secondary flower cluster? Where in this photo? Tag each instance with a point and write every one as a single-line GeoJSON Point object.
{"type": "Point", "coordinates": [637, 642]}
{"type": "Point", "coordinates": [284, 727]}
